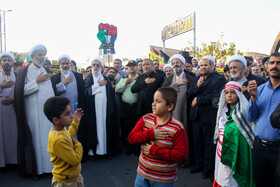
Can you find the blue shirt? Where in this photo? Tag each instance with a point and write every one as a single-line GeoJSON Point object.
{"type": "Point", "coordinates": [260, 111]}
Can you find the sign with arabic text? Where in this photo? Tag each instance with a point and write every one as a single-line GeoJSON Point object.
{"type": "Point", "coordinates": [179, 27]}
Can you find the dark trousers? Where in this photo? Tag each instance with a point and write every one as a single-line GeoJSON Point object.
{"type": "Point", "coordinates": [264, 164]}
{"type": "Point", "coordinates": [130, 120]}
{"type": "Point", "coordinates": [202, 143]}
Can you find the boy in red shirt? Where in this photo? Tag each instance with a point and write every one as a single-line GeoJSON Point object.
{"type": "Point", "coordinates": [164, 142]}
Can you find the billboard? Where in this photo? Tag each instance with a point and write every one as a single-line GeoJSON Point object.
{"type": "Point", "coordinates": [107, 34]}
{"type": "Point", "coordinates": [179, 27]}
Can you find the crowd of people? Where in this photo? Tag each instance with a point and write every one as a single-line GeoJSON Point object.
{"type": "Point", "coordinates": [185, 113]}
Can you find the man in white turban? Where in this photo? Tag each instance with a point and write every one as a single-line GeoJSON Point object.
{"type": "Point", "coordinates": [8, 122]}
{"type": "Point", "coordinates": [98, 136]}
{"type": "Point", "coordinates": [238, 65]}
{"type": "Point", "coordinates": [195, 65]}
{"type": "Point", "coordinates": [181, 81]}
{"type": "Point", "coordinates": [69, 84]}
{"type": "Point", "coordinates": [168, 69]}
{"type": "Point", "coordinates": [33, 87]}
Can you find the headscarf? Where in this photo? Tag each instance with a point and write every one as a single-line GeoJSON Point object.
{"type": "Point", "coordinates": [238, 115]}
{"type": "Point", "coordinates": [238, 58]}
{"type": "Point", "coordinates": [37, 48]}
{"type": "Point", "coordinates": [7, 54]}
{"type": "Point", "coordinates": [98, 59]}
{"type": "Point", "coordinates": [62, 57]}
{"type": "Point", "coordinates": [180, 57]}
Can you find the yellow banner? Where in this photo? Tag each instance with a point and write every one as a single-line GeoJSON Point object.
{"type": "Point", "coordinates": [177, 28]}
{"type": "Point", "coordinates": [154, 56]}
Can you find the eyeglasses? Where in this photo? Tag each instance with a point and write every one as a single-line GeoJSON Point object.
{"type": "Point", "coordinates": [6, 60]}
{"type": "Point", "coordinates": [88, 71]}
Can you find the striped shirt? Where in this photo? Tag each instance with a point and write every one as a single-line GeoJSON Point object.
{"type": "Point", "coordinates": [161, 164]}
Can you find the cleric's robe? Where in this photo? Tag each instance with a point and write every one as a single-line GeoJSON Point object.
{"type": "Point", "coordinates": [69, 90]}
{"type": "Point", "coordinates": [74, 90]}
{"type": "Point", "coordinates": [99, 122]}
{"type": "Point", "coordinates": [33, 125]}
{"type": "Point", "coordinates": [8, 124]}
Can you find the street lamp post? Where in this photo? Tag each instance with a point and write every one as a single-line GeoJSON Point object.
{"type": "Point", "coordinates": [4, 16]}
{"type": "Point", "coordinates": [0, 33]}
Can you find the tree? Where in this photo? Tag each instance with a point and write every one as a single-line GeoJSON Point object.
{"type": "Point", "coordinates": [18, 56]}
{"type": "Point", "coordinates": [219, 50]}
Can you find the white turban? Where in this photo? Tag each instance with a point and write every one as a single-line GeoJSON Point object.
{"type": "Point", "coordinates": [180, 57]}
{"type": "Point", "coordinates": [210, 58]}
{"type": "Point", "coordinates": [7, 54]}
{"type": "Point", "coordinates": [98, 59]}
{"type": "Point", "coordinates": [194, 58]}
{"type": "Point", "coordinates": [62, 57]}
{"type": "Point", "coordinates": [167, 66]}
{"type": "Point", "coordinates": [37, 48]}
{"type": "Point", "coordinates": [238, 58]}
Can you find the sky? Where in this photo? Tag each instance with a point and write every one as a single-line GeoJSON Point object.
{"type": "Point", "coordinates": [70, 27]}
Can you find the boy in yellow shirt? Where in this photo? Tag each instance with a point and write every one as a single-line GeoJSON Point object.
{"type": "Point", "coordinates": [66, 152]}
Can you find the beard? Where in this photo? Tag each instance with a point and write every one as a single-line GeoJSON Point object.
{"type": "Point", "coordinates": [111, 77]}
{"type": "Point", "coordinates": [40, 64]}
{"type": "Point", "coordinates": [205, 72]}
{"type": "Point", "coordinates": [7, 67]}
{"type": "Point", "coordinates": [178, 69]}
{"type": "Point", "coordinates": [236, 75]}
{"type": "Point", "coordinates": [65, 71]}
{"type": "Point", "coordinates": [96, 72]}
{"type": "Point", "coordinates": [147, 71]}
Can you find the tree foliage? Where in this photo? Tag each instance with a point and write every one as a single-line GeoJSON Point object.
{"type": "Point", "coordinates": [18, 56]}
{"type": "Point", "coordinates": [219, 50]}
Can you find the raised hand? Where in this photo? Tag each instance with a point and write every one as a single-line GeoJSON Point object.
{"type": "Point", "coordinates": [147, 147]}
{"type": "Point", "coordinates": [149, 80]}
{"type": "Point", "coordinates": [128, 80]}
{"type": "Point", "coordinates": [9, 100]}
{"type": "Point", "coordinates": [66, 80]}
{"type": "Point", "coordinates": [181, 81]}
{"type": "Point", "coordinates": [200, 81]}
{"type": "Point", "coordinates": [160, 134]}
{"type": "Point", "coordinates": [102, 82]}
{"type": "Point", "coordinates": [6, 84]}
{"type": "Point", "coordinates": [78, 114]}
{"type": "Point", "coordinates": [252, 88]}
{"type": "Point", "coordinates": [43, 78]}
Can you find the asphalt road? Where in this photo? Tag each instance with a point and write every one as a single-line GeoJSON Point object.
{"type": "Point", "coordinates": [118, 172]}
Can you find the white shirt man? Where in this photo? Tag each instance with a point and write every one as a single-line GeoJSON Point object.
{"type": "Point", "coordinates": [37, 89]}
{"type": "Point", "coordinates": [8, 122]}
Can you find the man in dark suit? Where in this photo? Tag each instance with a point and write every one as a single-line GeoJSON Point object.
{"type": "Point", "coordinates": [146, 85]}
{"type": "Point", "coordinates": [156, 68]}
{"type": "Point", "coordinates": [203, 89]}
{"type": "Point", "coordinates": [69, 84]}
